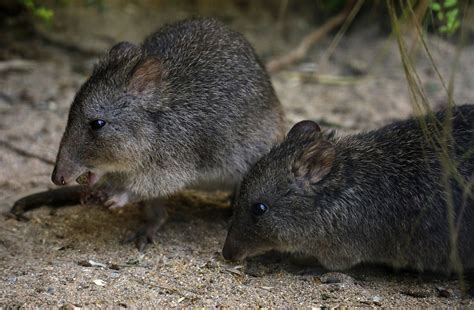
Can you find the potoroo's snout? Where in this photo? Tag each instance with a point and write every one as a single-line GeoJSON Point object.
{"type": "Point", "coordinates": [232, 249]}
{"type": "Point", "coordinates": [66, 170]}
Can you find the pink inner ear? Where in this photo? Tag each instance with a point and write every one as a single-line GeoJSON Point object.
{"type": "Point", "coordinates": [146, 76]}
{"type": "Point", "coordinates": [315, 162]}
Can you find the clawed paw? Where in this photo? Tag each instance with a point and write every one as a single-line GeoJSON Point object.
{"type": "Point", "coordinates": [143, 236]}
{"type": "Point", "coordinates": [117, 201]}
{"type": "Point", "coordinates": [93, 197]}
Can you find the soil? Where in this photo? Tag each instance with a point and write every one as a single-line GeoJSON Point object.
{"type": "Point", "coordinates": [74, 257]}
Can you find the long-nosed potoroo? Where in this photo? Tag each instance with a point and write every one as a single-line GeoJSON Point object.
{"type": "Point", "coordinates": [192, 104]}
{"type": "Point", "coordinates": [400, 195]}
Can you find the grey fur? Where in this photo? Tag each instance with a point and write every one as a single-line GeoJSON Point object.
{"type": "Point", "coordinates": [191, 104]}
{"type": "Point", "coordinates": [374, 197]}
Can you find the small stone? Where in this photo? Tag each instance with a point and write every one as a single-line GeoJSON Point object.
{"type": "Point", "coordinates": [334, 287]}
{"type": "Point", "coordinates": [444, 292]}
{"type": "Point", "coordinates": [50, 290]}
{"type": "Point", "coordinates": [99, 282]}
{"type": "Point", "coordinates": [114, 266]}
{"type": "Point", "coordinates": [335, 277]}
{"type": "Point", "coordinates": [84, 263]}
{"type": "Point", "coordinates": [133, 262]}
{"type": "Point", "coordinates": [83, 285]}
{"type": "Point", "coordinates": [417, 293]}
{"type": "Point", "coordinates": [358, 67]}
{"type": "Point", "coordinates": [377, 300]}
{"type": "Point", "coordinates": [255, 270]}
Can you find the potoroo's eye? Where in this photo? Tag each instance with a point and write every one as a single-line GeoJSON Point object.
{"type": "Point", "coordinates": [97, 124]}
{"type": "Point", "coordinates": [259, 209]}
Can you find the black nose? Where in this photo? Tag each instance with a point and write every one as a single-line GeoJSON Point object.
{"type": "Point", "coordinates": [230, 250]}
{"type": "Point", "coordinates": [57, 178]}
{"type": "Point", "coordinates": [226, 253]}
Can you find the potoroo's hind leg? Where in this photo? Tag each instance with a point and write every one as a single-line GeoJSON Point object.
{"type": "Point", "coordinates": [155, 215]}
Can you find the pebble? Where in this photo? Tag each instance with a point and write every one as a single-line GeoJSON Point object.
{"type": "Point", "coordinates": [377, 300]}
{"type": "Point", "coordinates": [99, 282]}
{"type": "Point", "coordinates": [335, 277]}
{"type": "Point", "coordinates": [255, 270]}
{"type": "Point", "coordinates": [444, 292]}
{"type": "Point", "coordinates": [70, 307]}
{"type": "Point", "coordinates": [417, 293]}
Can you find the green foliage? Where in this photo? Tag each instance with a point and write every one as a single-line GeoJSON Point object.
{"type": "Point", "coordinates": [98, 4]}
{"type": "Point", "coordinates": [330, 6]}
{"type": "Point", "coordinates": [447, 14]}
{"type": "Point", "coordinates": [46, 14]}
{"type": "Point", "coordinates": [38, 10]}
{"type": "Point", "coordinates": [334, 5]}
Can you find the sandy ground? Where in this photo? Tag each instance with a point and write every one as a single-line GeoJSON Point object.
{"type": "Point", "coordinates": [73, 257]}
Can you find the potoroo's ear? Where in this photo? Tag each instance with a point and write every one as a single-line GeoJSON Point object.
{"type": "Point", "coordinates": [122, 57]}
{"type": "Point", "coordinates": [124, 50]}
{"type": "Point", "coordinates": [146, 76]}
{"type": "Point", "coordinates": [303, 128]}
{"type": "Point", "coordinates": [315, 161]}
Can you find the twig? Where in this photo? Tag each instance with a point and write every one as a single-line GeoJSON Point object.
{"type": "Point", "coordinates": [309, 40]}
{"type": "Point", "coordinates": [16, 64]}
{"type": "Point", "coordinates": [66, 46]}
{"type": "Point", "coordinates": [331, 79]}
{"type": "Point", "coordinates": [24, 153]}
{"type": "Point", "coordinates": [348, 21]}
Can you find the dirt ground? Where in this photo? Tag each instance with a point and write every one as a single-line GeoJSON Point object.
{"type": "Point", "coordinates": [73, 257]}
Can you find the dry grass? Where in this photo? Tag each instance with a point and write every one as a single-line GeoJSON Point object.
{"type": "Point", "coordinates": [440, 139]}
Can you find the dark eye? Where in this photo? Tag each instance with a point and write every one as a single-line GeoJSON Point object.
{"type": "Point", "coordinates": [97, 124]}
{"type": "Point", "coordinates": [259, 209]}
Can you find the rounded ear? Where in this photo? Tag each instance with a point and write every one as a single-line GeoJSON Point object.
{"type": "Point", "coordinates": [303, 128]}
{"type": "Point", "coordinates": [124, 50]}
{"type": "Point", "coordinates": [121, 58]}
{"type": "Point", "coordinates": [314, 162]}
{"type": "Point", "coordinates": [146, 76]}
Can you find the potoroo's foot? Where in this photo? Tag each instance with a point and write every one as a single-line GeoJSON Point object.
{"type": "Point", "coordinates": [155, 216]}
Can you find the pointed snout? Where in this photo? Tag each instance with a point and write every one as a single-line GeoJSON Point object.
{"type": "Point", "coordinates": [66, 170]}
{"type": "Point", "coordinates": [228, 252]}
{"type": "Point", "coordinates": [58, 178]}
{"type": "Point", "coordinates": [232, 251]}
